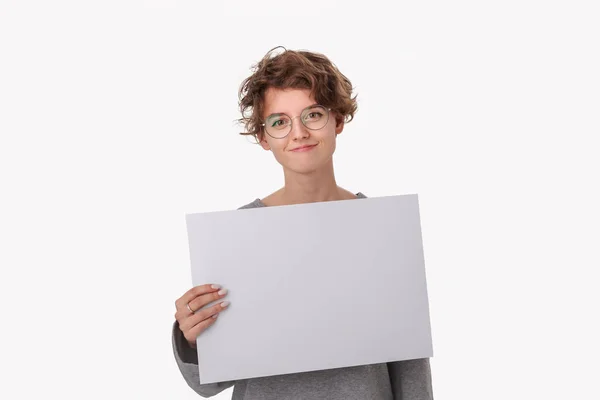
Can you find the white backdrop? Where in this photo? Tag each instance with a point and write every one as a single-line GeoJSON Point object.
{"type": "Point", "coordinates": [116, 119]}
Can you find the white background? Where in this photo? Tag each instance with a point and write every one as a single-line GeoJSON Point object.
{"type": "Point", "coordinates": [117, 118]}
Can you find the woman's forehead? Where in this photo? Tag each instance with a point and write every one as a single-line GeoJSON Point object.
{"type": "Point", "coordinates": [286, 100]}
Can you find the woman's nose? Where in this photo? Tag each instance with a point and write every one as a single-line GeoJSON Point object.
{"type": "Point", "coordinates": [298, 129]}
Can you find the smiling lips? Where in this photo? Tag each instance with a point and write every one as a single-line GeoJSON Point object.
{"type": "Point", "coordinates": [307, 147]}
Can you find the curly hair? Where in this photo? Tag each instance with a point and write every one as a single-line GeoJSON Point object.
{"type": "Point", "coordinates": [294, 70]}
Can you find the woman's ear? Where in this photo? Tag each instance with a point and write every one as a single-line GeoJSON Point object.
{"type": "Point", "coordinates": [263, 141]}
{"type": "Point", "coordinates": [339, 124]}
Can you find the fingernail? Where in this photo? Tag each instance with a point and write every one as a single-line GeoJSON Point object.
{"type": "Point", "coordinates": [216, 315]}
{"type": "Point", "coordinates": [222, 292]}
{"type": "Point", "coordinates": [224, 304]}
{"type": "Point", "coordinates": [216, 286]}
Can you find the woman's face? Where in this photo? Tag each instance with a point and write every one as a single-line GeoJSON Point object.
{"type": "Point", "coordinates": [286, 151]}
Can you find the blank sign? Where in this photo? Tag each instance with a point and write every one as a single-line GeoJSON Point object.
{"type": "Point", "coordinates": [312, 286]}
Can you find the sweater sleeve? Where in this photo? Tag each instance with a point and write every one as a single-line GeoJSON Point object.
{"type": "Point", "coordinates": [411, 379]}
{"type": "Point", "coordinates": [187, 361]}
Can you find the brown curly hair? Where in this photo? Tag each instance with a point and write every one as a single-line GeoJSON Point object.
{"type": "Point", "coordinates": [298, 70]}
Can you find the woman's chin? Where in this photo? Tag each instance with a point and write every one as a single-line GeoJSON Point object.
{"type": "Point", "coordinates": [305, 168]}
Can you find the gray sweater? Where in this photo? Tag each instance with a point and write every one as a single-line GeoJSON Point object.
{"type": "Point", "coordinates": [402, 380]}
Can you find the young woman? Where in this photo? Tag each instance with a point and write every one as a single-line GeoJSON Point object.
{"type": "Point", "coordinates": [295, 104]}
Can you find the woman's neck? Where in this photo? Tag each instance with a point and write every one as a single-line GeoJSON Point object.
{"type": "Point", "coordinates": [308, 188]}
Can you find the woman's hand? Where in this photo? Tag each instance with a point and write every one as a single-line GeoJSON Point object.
{"type": "Point", "coordinates": [192, 318]}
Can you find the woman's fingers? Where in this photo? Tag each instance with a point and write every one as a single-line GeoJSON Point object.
{"type": "Point", "coordinates": [190, 321]}
{"type": "Point", "coordinates": [194, 292]}
{"type": "Point", "coordinates": [196, 303]}
{"type": "Point", "coordinates": [193, 323]}
{"type": "Point", "coordinates": [206, 299]}
{"type": "Point", "coordinates": [197, 323]}
{"type": "Point", "coordinates": [192, 335]}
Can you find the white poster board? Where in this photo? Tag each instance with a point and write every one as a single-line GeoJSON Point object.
{"type": "Point", "coordinates": [312, 286]}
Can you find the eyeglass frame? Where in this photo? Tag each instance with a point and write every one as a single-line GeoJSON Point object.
{"type": "Point", "coordinates": [297, 116]}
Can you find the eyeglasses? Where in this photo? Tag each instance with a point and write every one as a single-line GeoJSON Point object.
{"type": "Point", "coordinates": [313, 117]}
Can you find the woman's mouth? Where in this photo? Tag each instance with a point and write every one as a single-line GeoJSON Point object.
{"type": "Point", "coordinates": [303, 148]}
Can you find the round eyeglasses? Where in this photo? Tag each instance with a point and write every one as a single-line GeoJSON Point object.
{"type": "Point", "coordinates": [313, 117]}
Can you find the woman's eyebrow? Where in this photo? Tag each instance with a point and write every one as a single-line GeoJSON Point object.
{"type": "Point", "coordinates": [281, 113]}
